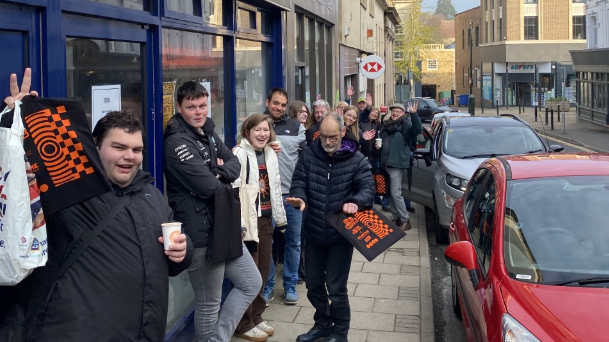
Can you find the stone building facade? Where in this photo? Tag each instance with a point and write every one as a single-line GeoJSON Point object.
{"type": "Point", "coordinates": [438, 72]}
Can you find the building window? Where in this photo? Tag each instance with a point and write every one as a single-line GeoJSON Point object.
{"type": "Point", "coordinates": [486, 31]}
{"type": "Point", "coordinates": [530, 1]}
{"type": "Point", "coordinates": [399, 29]}
{"type": "Point", "coordinates": [579, 26]}
{"type": "Point", "coordinates": [500, 29]}
{"type": "Point", "coordinates": [530, 28]}
{"type": "Point", "coordinates": [492, 4]}
{"type": "Point", "coordinates": [371, 6]}
{"type": "Point", "coordinates": [463, 40]}
{"type": "Point", "coordinates": [432, 64]}
{"type": "Point", "coordinates": [477, 35]}
{"type": "Point", "coordinates": [492, 31]}
{"type": "Point", "coordinates": [398, 54]}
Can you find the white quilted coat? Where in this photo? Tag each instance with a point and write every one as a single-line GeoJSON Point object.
{"type": "Point", "coordinates": [245, 151]}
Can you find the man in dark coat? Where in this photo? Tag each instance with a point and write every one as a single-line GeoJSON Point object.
{"type": "Point", "coordinates": [117, 289]}
{"type": "Point", "coordinates": [331, 175]}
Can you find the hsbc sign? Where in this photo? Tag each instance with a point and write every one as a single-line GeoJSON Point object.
{"type": "Point", "coordinates": [372, 66]}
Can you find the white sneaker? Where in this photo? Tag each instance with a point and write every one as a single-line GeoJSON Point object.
{"type": "Point", "coordinates": [264, 326]}
{"type": "Point", "coordinates": [255, 335]}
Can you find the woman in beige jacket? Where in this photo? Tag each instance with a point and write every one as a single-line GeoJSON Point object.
{"type": "Point", "coordinates": [260, 194]}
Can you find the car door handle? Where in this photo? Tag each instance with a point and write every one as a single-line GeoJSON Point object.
{"type": "Point", "coordinates": [451, 226]}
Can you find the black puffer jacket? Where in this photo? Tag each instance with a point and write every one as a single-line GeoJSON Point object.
{"type": "Point", "coordinates": [117, 290]}
{"type": "Point", "coordinates": [327, 182]}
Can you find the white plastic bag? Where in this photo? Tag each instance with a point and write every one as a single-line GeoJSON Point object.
{"type": "Point", "coordinates": [23, 236]}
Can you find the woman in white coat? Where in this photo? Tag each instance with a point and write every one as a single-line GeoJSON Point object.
{"type": "Point", "coordinates": [260, 194]}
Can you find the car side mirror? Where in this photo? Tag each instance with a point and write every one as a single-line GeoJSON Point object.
{"type": "Point", "coordinates": [463, 254]}
{"type": "Point", "coordinates": [556, 148]}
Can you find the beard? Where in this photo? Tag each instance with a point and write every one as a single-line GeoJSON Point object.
{"type": "Point", "coordinates": [331, 148]}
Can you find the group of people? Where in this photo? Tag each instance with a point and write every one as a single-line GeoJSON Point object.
{"type": "Point", "coordinates": [292, 169]}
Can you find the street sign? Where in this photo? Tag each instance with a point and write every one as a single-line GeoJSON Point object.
{"type": "Point", "coordinates": [372, 66]}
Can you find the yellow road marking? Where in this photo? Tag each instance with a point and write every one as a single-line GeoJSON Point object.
{"type": "Point", "coordinates": [583, 149]}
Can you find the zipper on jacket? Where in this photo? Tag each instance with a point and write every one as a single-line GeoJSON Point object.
{"type": "Point", "coordinates": [327, 194]}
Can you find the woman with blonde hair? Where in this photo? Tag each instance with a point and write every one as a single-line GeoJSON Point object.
{"type": "Point", "coordinates": [350, 115]}
{"type": "Point", "coordinates": [261, 202]}
{"type": "Point", "coordinates": [339, 107]}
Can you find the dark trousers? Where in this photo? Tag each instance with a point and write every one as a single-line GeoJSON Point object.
{"type": "Point", "coordinates": [328, 268]}
{"type": "Point", "coordinates": [262, 258]}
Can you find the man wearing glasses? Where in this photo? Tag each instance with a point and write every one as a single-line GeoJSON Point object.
{"type": "Point", "coordinates": [330, 176]}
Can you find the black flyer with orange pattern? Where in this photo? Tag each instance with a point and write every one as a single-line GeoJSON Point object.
{"type": "Point", "coordinates": [369, 231]}
{"type": "Point", "coordinates": [59, 145]}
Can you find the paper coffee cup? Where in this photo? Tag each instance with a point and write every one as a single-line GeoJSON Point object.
{"type": "Point", "coordinates": [170, 231]}
{"type": "Point", "coordinates": [379, 142]}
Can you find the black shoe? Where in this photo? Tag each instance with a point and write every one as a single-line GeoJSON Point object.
{"type": "Point", "coordinates": [411, 210]}
{"type": "Point", "coordinates": [337, 338]}
{"type": "Point", "coordinates": [386, 209]}
{"type": "Point", "coordinates": [314, 335]}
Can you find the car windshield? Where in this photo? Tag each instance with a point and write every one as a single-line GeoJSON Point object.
{"type": "Point", "coordinates": [488, 141]}
{"type": "Point", "coordinates": [555, 230]}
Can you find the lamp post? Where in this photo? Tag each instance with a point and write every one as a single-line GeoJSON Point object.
{"type": "Point", "coordinates": [471, 100]}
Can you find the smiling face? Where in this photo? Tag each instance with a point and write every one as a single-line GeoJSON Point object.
{"type": "Point", "coordinates": [319, 112]}
{"type": "Point", "coordinates": [194, 111]}
{"type": "Point", "coordinates": [121, 155]}
{"type": "Point", "coordinates": [373, 115]}
{"type": "Point", "coordinates": [396, 113]}
{"type": "Point", "coordinates": [258, 136]}
{"type": "Point", "coordinates": [277, 106]}
{"type": "Point", "coordinates": [361, 105]}
{"type": "Point", "coordinates": [303, 114]}
{"type": "Point", "coordinates": [350, 117]}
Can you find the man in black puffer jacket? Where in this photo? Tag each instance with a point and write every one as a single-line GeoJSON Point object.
{"type": "Point", "coordinates": [331, 175]}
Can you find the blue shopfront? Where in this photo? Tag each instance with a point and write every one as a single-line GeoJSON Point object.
{"type": "Point", "coordinates": [139, 52]}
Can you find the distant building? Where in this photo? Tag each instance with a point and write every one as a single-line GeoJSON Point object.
{"type": "Point", "coordinates": [523, 47]}
{"type": "Point", "coordinates": [592, 67]}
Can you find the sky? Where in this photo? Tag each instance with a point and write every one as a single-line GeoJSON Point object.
{"type": "Point", "coordinates": [459, 5]}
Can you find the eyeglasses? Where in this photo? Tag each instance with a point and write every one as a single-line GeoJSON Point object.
{"type": "Point", "coordinates": [332, 139]}
{"type": "Point", "coordinates": [303, 112]}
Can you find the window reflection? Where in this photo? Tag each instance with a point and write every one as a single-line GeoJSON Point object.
{"type": "Point", "coordinates": [252, 79]}
{"type": "Point", "coordinates": [93, 63]}
{"type": "Point", "coordinates": [193, 56]}
{"type": "Point", "coordinates": [209, 10]}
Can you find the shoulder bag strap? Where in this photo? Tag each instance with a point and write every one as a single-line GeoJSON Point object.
{"type": "Point", "coordinates": [84, 241]}
{"type": "Point", "coordinates": [247, 179]}
{"type": "Point", "coordinates": [75, 250]}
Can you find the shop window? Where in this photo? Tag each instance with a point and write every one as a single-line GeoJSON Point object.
{"type": "Point", "coordinates": [105, 75]}
{"type": "Point", "coordinates": [579, 27]}
{"type": "Point", "coordinates": [192, 7]}
{"type": "Point", "coordinates": [206, 11]}
{"type": "Point", "coordinates": [252, 79]}
{"type": "Point", "coordinates": [193, 56]}
{"type": "Point", "coordinates": [141, 5]}
{"type": "Point", "coordinates": [530, 28]}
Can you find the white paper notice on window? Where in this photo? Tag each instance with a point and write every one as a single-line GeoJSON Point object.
{"type": "Point", "coordinates": [207, 86]}
{"type": "Point", "coordinates": [105, 98]}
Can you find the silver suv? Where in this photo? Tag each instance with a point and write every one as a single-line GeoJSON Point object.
{"type": "Point", "coordinates": [447, 158]}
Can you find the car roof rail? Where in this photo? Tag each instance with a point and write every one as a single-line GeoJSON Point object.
{"type": "Point", "coordinates": [513, 116]}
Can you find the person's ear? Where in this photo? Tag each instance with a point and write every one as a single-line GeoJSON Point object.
{"type": "Point", "coordinates": [342, 133]}
{"type": "Point", "coordinates": [179, 108]}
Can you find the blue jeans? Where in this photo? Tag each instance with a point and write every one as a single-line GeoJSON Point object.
{"type": "Point", "coordinates": [291, 257]}
{"type": "Point", "coordinates": [211, 323]}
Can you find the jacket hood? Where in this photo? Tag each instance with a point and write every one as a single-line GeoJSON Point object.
{"type": "Point", "coordinates": [177, 125]}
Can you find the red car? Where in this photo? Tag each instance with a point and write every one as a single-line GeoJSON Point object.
{"type": "Point", "coordinates": [529, 249]}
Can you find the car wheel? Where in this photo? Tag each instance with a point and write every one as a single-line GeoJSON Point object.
{"type": "Point", "coordinates": [454, 292]}
{"type": "Point", "coordinates": [441, 233]}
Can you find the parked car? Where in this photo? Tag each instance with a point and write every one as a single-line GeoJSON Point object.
{"type": "Point", "coordinates": [454, 150]}
{"type": "Point", "coordinates": [428, 107]}
{"type": "Point", "coordinates": [438, 116]}
{"type": "Point", "coordinates": [529, 249]}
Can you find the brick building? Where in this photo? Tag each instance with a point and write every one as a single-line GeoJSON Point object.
{"type": "Point", "coordinates": [462, 52]}
{"type": "Point", "coordinates": [523, 46]}
{"type": "Point", "coordinates": [437, 67]}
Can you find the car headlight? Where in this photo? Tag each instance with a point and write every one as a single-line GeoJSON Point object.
{"type": "Point", "coordinates": [513, 331]}
{"type": "Point", "coordinates": [456, 182]}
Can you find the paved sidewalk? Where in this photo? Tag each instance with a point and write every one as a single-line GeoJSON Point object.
{"type": "Point", "coordinates": [595, 139]}
{"type": "Point", "coordinates": [390, 297]}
